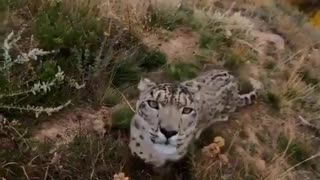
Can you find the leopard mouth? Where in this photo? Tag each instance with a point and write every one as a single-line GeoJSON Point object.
{"type": "Point", "coordinates": [165, 148]}
{"type": "Point", "coordinates": [166, 143]}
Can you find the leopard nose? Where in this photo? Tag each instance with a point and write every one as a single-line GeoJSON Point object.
{"type": "Point", "coordinates": [168, 134]}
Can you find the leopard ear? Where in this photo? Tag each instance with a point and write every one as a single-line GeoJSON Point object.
{"type": "Point", "coordinates": [145, 84]}
{"type": "Point", "coordinates": [192, 86]}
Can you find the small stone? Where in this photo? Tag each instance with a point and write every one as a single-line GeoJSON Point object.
{"type": "Point", "coordinates": [260, 165]}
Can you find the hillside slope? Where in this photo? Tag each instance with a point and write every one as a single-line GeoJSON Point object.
{"type": "Point", "coordinates": [76, 64]}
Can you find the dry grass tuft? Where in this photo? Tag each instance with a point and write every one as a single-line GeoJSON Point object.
{"type": "Point", "coordinates": [252, 38]}
{"type": "Point", "coordinates": [295, 88]}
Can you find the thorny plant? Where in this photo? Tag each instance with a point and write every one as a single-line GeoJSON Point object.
{"type": "Point", "coordinates": [7, 65]}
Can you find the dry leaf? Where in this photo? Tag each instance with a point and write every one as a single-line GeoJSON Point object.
{"type": "Point", "coordinates": [220, 141]}
{"type": "Point", "coordinates": [212, 150]}
{"type": "Point", "coordinates": [120, 176]}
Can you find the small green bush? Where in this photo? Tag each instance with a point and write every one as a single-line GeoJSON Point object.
{"type": "Point", "coordinates": [122, 117]}
{"type": "Point", "coordinates": [273, 99]}
{"type": "Point", "coordinates": [125, 74]}
{"type": "Point", "coordinates": [167, 19]}
{"type": "Point", "coordinates": [294, 150]}
{"type": "Point", "coordinates": [213, 41]}
{"type": "Point", "coordinates": [111, 97]}
{"type": "Point", "coordinates": [9, 4]}
{"type": "Point", "coordinates": [182, 71]}
{"type": "Point", "coordinates": [151, 60]}
{"type": "Point", "coordinates": [127, 71]}
{"type": "Point", "coordinates": [87, 55]}
{"type": "Point", "coordinates": [232, 62]}
{"type": "Point", "coordinates": [25, 81]}
{"type": "Point", "coordinates": [4, 4]}
{"type": "Point", "coordinates": [55, 28]}
{"type": "Point", "coordinates": [48, 70]}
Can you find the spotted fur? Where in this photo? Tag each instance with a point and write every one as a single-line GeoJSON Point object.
{"type": "Point", "coordinates": [170, 115]}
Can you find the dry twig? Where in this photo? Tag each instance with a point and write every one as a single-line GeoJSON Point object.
{"type": "Point", "coordinates": [298, 164]}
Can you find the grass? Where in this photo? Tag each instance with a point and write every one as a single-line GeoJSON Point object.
{"type": "Point", "coordinates": [102, 49]}
{"type": "Point", "coordinates": [125, 74]}
{"type": "Point", "coordinates": [293, 150]}
{"type": "Point", "coordinates": [168, 19]}
{"type": "Point", "coordinates": [111, 97]}
{"type": "Point", "coordinates": [309, 78]}
{"type": "Point", "coordinates": [93, 157]}
{"type": "Point", "coordinates": [55, 28]}
{"type": "Point", "coordinates": [85, 157]}
{"type": "Point", "coordinates": [127, 71]}
{"type": "Point", "coordinates": [270, 65]}
{"type": "Point", "coordinates": [182, 71]}
{"type": "Point", "coordinates": [213, 41]}
{"type": "Point", "coordinates": [152, 60]}
{"type": "Point", "coordinates": [121, 118]}
{"type": "Point", "coordinates": [232, 62]}
{"type": "Point", "coordinates": [274, 100]}
{"type": "Point", "coordinates": [89, 51]}
{"type": "Point", "coordinates": [17, 149]}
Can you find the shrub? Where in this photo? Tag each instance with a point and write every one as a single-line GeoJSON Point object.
{"type": "Point", "coordinates": [151, 60]}
{"type": "Point", "coordinates": [294, 150]}
{"type": "Point", "coordinates": [56, 28]}
{"type": "Point", "coordinates": [22, 85]}
{"type": "Point", "coordinates": [213, 41]}
{"type": "Point", "coordinates": [167, 19]}
{"type": "Point", "coordinates": [128, 69]}
{"type": "Point", "coordinates": [106, 156]}
{"type": "Point", "coordinates": [182, 71]}
{"type": "Point", "coordinates": [90, 53]}
{"type": "Point", "coordinates": [125, 73]}
{"type": "Point", "coordinates": [273, 99]}
{"type": "Point", "coordinates": [232, 62]}
{"type": "Point", "coordinates": [111, 97]}
{"type": "Point", "coordinates": [122, 117]}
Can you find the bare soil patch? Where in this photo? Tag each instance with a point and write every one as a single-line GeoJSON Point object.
{"type": "Point", "coordinates": [179, 45]}
{"type": "Point", "coordinates": [61, 130]}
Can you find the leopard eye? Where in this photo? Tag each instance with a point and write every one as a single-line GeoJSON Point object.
{"type": "Point", "coordinates": [153, 104]}
{"type": "Point", "coordinates": [186, 110]}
